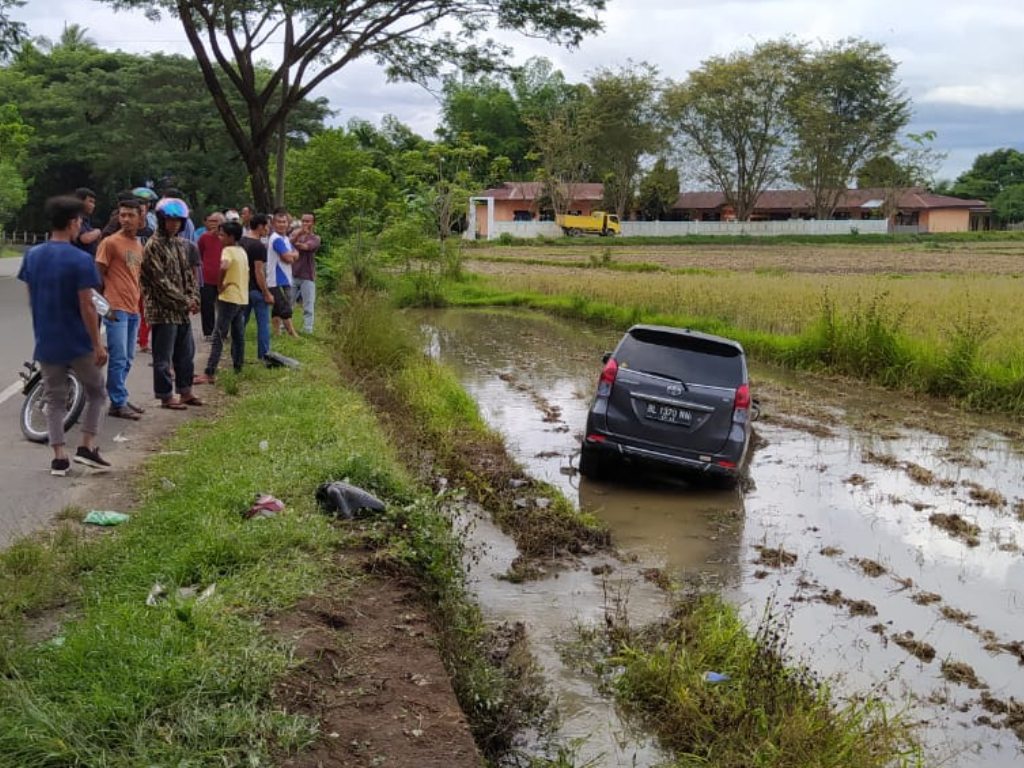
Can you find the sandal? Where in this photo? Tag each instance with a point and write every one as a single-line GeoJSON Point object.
{"type": "Point", "coordinates": [173, 405]}
{"type": "Point", "coordinates": [203, 378]}
{"type": "Point", "coordinates": [191, 400]}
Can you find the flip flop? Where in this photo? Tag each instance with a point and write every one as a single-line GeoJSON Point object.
{"type": "Point", "coordinates": [173, 405]}
{"type": "Point", "coordinates": [192, 401]}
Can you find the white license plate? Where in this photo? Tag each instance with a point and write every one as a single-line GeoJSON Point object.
{"type": "Point", "coordinates": [668, 414]}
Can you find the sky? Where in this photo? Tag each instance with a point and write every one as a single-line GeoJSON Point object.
{"type": "Point", "coordinates": [961, 62]}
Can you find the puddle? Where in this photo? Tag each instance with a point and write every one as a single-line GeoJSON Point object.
{"type": "Point", "coordinates": [887, 528]}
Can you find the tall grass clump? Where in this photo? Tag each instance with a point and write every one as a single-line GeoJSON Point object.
{"type": "Point", "coordinates": [767, 713]}
{"type": "Point", "coordinates": [864, 340]}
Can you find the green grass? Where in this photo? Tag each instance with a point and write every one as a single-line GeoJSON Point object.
{"type": "Point", "coordinates": [126, 684]}
{"type": "Point", "coordinates": [431, 407]}
{"type": "Point", "coordinates": [768, 713]}
{"type": "Point", "coordinates": [7, 252]}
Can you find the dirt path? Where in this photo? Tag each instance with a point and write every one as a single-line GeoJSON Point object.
{"type": "Point", "coordinates": [372, 677]}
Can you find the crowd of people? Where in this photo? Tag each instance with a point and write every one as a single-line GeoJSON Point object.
{"type": "Point", "coordinates": [156, 270]}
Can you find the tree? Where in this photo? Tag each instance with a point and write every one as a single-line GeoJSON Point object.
{"type": "Point", "coordinates": [318, 38]}
{"type": "Point", "coordinates": [846, 107]}
{"type": "Point", "coordinates": [563, 147]}
{"type": "Point", "coordinates": [732, 114]}
{"type": "Point", "coordinates": [1008, 205]}
{"type": "Point", "coordinates": [659, 191]}
{"type": "Point", "coordinates": [146, 119]}
{"type": "Point", "coordinates": [327, 163]}
{"type": "Point", "coordinates": [480, 110]}
{"type": "Point", "coordinates": [12, 33]}
{"type": "Point", "coordinates": [880, 171]}
{"type": "Point", "coordinates": [14, 139]}
{"type": "Point", "coordinates": [622, 108]}
{"type": "Point", "coordinates": [991, 174]}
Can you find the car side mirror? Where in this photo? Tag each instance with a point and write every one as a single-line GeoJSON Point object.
{"type": "Point", "coordinates": [606, 357]}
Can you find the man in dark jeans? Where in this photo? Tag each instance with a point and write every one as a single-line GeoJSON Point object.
{"type": "Point", "coordinates": [210, 247]}
{"type": "Point", "coordinates": [60, 280]}
{"type": "Point", "coordinates": [260, 297]}
{"type": "Point", "coordinates": [171, 296]}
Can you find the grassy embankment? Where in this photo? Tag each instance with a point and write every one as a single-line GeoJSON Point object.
{"type": "Point", "coordinates": [116, 682]}
{"type": "Point", "coordinates": [948, 335]}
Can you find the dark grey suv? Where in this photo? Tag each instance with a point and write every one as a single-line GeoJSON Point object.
{"type": "Point", "coordinates": [671, 397]}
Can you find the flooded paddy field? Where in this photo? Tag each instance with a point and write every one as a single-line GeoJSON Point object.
{"type": "Point", "coordinates": [887, 531]}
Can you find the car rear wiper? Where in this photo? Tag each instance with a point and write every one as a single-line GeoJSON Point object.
{"type": "Point", "coordinates": [667, 376]}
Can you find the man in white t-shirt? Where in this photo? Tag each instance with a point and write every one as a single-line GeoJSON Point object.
{"type": "Point", "coordinates": [281, 254]}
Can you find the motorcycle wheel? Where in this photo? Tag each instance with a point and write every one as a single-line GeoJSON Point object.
{"type": "Point", "coordinates": [33, 410]}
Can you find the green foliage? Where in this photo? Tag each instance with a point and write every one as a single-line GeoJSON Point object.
{"type": "Point", "coordinates": [110, 120]}
{"type": "Point", "coordinates": [846, 107]}
{"type": "Point", "coordinates": [131, 684]}
{"type": "Point", "coordinates": [1008, 205]}
{"type": "Point", "coordinates": [991, 174]}
{"type": "Point", "coordinates": [658, 192]}
{"type": "Point", "coordinates": [332, 160]}
{"type": "Point", "coordinates": [622, 107]}
{"type": "Point", "coordinates": [768, 713]}
{"type": "Point", "coordinates": [732, 113]}
{"type": "Point", "coordinates": [12, 192]}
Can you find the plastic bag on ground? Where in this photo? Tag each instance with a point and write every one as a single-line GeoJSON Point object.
{"type": "Point", "coordinates": [105, 517]}
{"type": "Point", "coordinates": [264, 506]}
{"type": "Point", "coordinates": [345, 499]}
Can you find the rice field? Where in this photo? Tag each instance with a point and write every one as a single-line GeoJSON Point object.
{"type": "Point", "coordinates": [780, 290]}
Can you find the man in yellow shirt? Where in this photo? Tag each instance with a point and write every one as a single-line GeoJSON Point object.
{"type": "Point", "coordinates": [232, 299]}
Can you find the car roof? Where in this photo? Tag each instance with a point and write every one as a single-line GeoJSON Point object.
{"type": "Point", "coordinates": [689, 333]}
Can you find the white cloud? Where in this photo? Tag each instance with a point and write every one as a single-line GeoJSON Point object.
{"type": "Point", "coordinates": [951, 53]}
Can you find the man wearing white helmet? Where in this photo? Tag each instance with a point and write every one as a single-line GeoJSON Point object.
{"type": "Point", "coordinates": [171, 296]}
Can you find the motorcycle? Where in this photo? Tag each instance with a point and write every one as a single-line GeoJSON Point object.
{"type": "Point", "coordinates": [33, 410]}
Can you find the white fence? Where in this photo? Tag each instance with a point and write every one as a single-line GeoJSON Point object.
{"type": "Point", "coordinates": [531, 229]}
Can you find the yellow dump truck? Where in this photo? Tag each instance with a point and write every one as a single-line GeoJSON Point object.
{"type": "Point", "coordinates": [597, 223]}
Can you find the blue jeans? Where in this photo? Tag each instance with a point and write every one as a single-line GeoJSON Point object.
{"type": "Point", "coordinates": [305, 291]}
{"type": "Point", "coordinates": [262, 309]}
{"type": "Point", "coordinates": [122, 334]}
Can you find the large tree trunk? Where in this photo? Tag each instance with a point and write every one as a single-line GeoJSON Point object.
{"type": "Point", "coordinates": [257, 162]}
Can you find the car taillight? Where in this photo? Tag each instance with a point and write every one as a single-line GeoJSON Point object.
{"type": "Point", "coordinates": [604, 384]}
{"type": "Point", "coordinates": [741, 405]}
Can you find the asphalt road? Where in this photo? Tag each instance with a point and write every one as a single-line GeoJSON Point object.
{"type": "Point", "coordinates": [29, 496]}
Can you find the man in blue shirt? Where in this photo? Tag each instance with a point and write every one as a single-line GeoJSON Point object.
{"type": "Point", "coordinates": [60, 280]}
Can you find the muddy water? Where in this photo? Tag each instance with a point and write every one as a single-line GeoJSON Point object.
{"type": "Point", "coordinates": [900, 514]}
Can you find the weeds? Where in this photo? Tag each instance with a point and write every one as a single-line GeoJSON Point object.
{"type": "Point", "coordinates": [765, 712]}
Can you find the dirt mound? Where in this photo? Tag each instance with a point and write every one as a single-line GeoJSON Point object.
{"type": "Point", "coordinates": [957, 527]}
{"type": "Point", "coordinates": [914, 647]}
{"type": "Point", "coordinates": [774, 557]}
{"type": "Point", "coordinates": [961, 673]}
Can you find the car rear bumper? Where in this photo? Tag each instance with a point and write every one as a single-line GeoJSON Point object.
{"type": "Point", "coordinates": [717, 465]}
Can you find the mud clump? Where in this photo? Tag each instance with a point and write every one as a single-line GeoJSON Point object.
{"type": "Point", "coordinates": [957, 527]}
{"type": "Point", "coordinates": [927, 598]}
{"type": "Point", "coordinates": [774, 557]}
{"type": "Point", "coordinates": [856, 480]}
{"type": "Point", "coordinates": [1018, 509]}
{"type": "Point", "coordinates": [658, 578]}
{"type": "Point", "coordinates": [914, 647]}
{"type": "Point", "coordinates": [882, 459]}
{"type": "Point", "coordinates": [817, 429]}
{"type": "Point", "coordinates": [954, 615]}
{"type": "Point", "coordinates": [831, 551]}
{"type": "Point", "coordinates": [1012, 711]}
{"type": "Point", "coordinates": [869, 567]}
{"type": "Point", "coordinates": [962, 674]}
{"type": "Point", "coordinates": [861, 608]}
{"type": "Point", "coordinates": [986, 497]}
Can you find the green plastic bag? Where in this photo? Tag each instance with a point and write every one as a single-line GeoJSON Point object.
{"type": "Point", "coordinates": [105, 517]}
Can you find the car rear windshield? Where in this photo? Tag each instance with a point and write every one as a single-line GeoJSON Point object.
{"type": "Point", "coordinates": [676, 356]}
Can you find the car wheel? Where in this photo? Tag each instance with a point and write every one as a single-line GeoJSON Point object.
{"type": "Point", "coordinates": [593, 465]}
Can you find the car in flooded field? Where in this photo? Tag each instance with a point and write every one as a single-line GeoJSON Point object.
{"type": "Point", "coordinates": [670, 398]}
